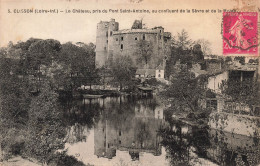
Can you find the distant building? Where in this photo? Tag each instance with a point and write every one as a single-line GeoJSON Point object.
{"type": "Point", "coordinates": [145, 73]}
{"type": "Point", "coordinates": [112, 42]}
{"type": "Point", "coordinates": [157, 73]}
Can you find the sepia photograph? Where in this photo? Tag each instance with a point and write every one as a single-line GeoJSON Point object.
{"type": "Point", "coordinates": [129, 83]}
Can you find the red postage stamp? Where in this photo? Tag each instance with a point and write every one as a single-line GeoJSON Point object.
{"type": "Point", "coordinates": [240, 33]}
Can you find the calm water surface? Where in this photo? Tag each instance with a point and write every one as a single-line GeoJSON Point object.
{"type": "Point", "coordinates": [129, 131]}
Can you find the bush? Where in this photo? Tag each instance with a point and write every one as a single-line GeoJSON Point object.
{"type": "Point", "coordinates": [62, 159]}
{"type": "Point", "coordinates": [152, 82]}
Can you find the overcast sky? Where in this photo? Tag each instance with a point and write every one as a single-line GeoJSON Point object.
{"type": "Point", "coordinates": [82, 27]}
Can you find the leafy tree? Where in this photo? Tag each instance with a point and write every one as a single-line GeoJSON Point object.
{"type": "Point", "coordinates": [3, 52]}
{"type": "Point", "coordinates": [180, 50]}
{"type": "Point", "coordinates": [123, 71]}
{"type": "Point", "coordinates": [183, 40]}
{"type": "Point", "coordinates": [77, 57]}
{"type": "Point", "coordinates": [197, 53]}
{"type": "Point", "coordinates": [90, 76]}
{"type": "Point", "coordinates": [59, 76]}
{"type": "Point", "coordinates": [45, 128]}
{"type": "Point", "coordinates": [228, 59]}
{"type": "Point", "coordinates": [36, 58]}
{"type": "Point", "coordinates": [253, 61]}
{"type": "Point", "coordinates": [242, 91]}
{"type": "Point", "coordinates": [240, 59]}
{"type": "Point", "coordinates": [14, 103]}
{"type": "Point", "coordinates": [31, 125]}
{"type": "Point", "coordinates": [43, 52]}
{"type": "Point", "coordinates": [78, 63]}
{"type": "Point", "coordinates": [185, 91]}
{"type": "Point", "coordinates": [144, 52]}
{"type": "Point", "coordinates": [184, 57]}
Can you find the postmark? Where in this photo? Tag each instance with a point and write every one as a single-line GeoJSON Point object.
{"type": "Point", "coordinates": [240, 33]}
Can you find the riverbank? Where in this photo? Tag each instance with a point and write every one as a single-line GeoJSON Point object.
{"type": "Point", "coordinates": [18, 161]}
{"type": "Point", "coordinates": [237, 124]}
{"type": "Point", "coordinates": [99, 93]}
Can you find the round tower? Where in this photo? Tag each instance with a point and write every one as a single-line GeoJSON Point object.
{"type": "Point", "coordinates": [101, 43]}
{"type": "Point", "coordinates": [104, 39]}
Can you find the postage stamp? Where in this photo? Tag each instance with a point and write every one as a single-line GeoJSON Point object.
{"type": "Point", "coordinates": [240, 33]}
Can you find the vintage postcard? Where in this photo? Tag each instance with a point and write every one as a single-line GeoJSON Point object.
{"type": "Point", "coordinates": [129, 83]}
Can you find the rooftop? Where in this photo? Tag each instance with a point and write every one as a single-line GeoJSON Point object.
{"type": "Point", "coordinates": [148, 72]}
{"type": "Point", "coordinates": [246, 67]}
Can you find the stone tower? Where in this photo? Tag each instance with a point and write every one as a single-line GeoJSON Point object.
{"type": "Point", "coordinates": [104, 39]}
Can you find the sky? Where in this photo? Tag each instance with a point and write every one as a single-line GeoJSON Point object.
{"type": "Point", "coordinates": [81, 27]}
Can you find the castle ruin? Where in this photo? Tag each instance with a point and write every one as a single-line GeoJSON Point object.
{"type": "Point", "coordinates": [112, 42]}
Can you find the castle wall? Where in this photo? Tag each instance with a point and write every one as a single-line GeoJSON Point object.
{"type": "Point", "coordinates": [112, 43]}
{"type": "Point", "coordinates": [127, 44]}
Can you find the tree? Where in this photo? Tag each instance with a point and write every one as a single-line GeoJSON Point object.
{"type": "Point", "coordinates": [185, 91]}
{"type": "Point", "coordinates": [77, 57]}
{"type": "Point", "coordinates": [253, 61]}
{"type": "Point", "coordinates": [144, 52]}
{"type": "Point", "coordinates": [90, 76]}
{"type": "Point", "coordinates": [197, 53]}
{"type": "Point", "coordinates": [181, 51]}
{"type": "Point", "coordinates": [183, 40]}
{"type": "Point", "coordinates": [240, 59]}
{"type": "Point", "coordinates": [245, 91]}
{"type": "Point", "coordinates": [14, 103]}
{"type": "Point", "coordinates": [43, 52]}
{"type": "Point", "coordinates": [123, 71]}
{"type": "Point", "coordinates": [79, 62]}
{"type": "Point", "coordinates": [228, 59]}
{"type": "Point", "coordinates": [45, 127]}
{"type": "Point", "coordinates": [38, 55]}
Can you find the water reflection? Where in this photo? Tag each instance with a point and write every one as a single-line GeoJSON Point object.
{"type": "Point", "coordinates": [188, 144]}
{"type": "Point", "coordinates": [130, 131]}
{"type": "Point", "coordinates": [230, 149]}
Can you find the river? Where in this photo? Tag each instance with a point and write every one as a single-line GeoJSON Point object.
{"type": "Point", "coordinates": [134, 131]}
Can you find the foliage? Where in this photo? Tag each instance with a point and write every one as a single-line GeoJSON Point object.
{"type": "Point", "coordinates": [153, 82]}
{"type": "Point", "coordinates": [14, 101]}
{"type": "Point", "coordinates": [77, 62]}
{"type": "Point", "coordinates": [240, 59]}
{"type": "Point", "coordinates": [144, 52]}
{"type": "Point", "coordinates": [42, 52]}
{"type": "Point", "coordinates": [31, 124]}
{"type": "Point", "coordinates": [228, 59]}
{"type": "Point", "coordinates": [90, 76]}
{"type": "Point", "coordinates": [253, 61]}
{"type": "Point", "coordinates": [241, 91]}
{"type": "Point", "coordinates": [61, 159]}
{"type": "Point", "coordinates": [45, 127]}
{"type": "Point", "coordinates": [181, 50]}
{"type": "Point", "coordinates": [185, 91]}
{"type": "Point", "coordinates": [183, 40]}
{"type": "Point", "coordinates": [77, 57]}
{"type": "Point", "coordinates": [197, 53]}
{"type": "Point", "coordinates": [48, 59]}
{"type": "Point", "coordinates": [123, 71]}
{"type": "Point", "coordinates": [184, 57]}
